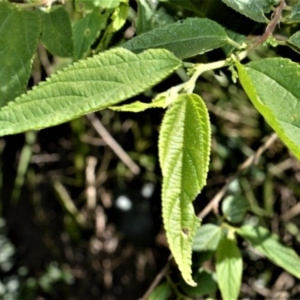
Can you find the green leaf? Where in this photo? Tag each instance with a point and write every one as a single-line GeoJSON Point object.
{"type": "Point", "coordinates": [206, 284]}
{"type": "Point", "coordinates": [294, 41]}
{"type": "Point", "coordinates": [294, 15]}
{"type": "Point", "coordinates": [235, 208]}
{"type": "Point", "coordinates": [184, 149]}
{"type": "Point", "coordinates": [57, 31]}
{"type": "Point", "coordinates": [207, 238]}
{"type": "Point", "coordinates": [229, 266]}
{"type": "Point", "coordinates": [19, 33]}
{"type": "Point", "coordinates": [161, 292]}
{"type": "Point", "coordinates": [191, 5]}
{"type": "Point", "coordinates": [184, 38]}
{"type": "Point", "coordinates": [138, 106]}
{"type": "Point", "coordinates": [268, 244]}
{"type": "Point", "coordinates": [88, 85]}
{"type": "Point", "coordinates": [86, 30]}
{"type": "Point", "coordinates": [253, 9]}
{"type": "Point", "coordinates": [273, 85]}
{"type": "Point", "coordinates": [149, 17]}
{"type": "Point", "coordinates": [84, 5]}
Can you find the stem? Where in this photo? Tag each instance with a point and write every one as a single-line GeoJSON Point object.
{"type": "Point", "coordinates": [233, 43]}
{"type": "Point", "coordinates": [271, 27]}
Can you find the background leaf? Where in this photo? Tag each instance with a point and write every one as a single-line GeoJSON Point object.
{"type": "Point", "coordinates": [294, 14]}
{"type": "Point", "coordinates": [229, 267]}
{"type": "Point", "coordinates": [161, 292]}
{"type": "Point", "coordinates": [184, 149]}
{"type": "Point", "coordinates": [57, 31]}
{"type": "Point", "coordinates": [253, 9]}
{"type": "Point", "coordinates": [86, 30]}
{"type": "Point", "coordinates": [89, 85]}
{"type": "Point", "coordinates": [273, 85]}
{"type": "Point", "coordinates": [234, 208]}
{"type": "Point", "coordinates": [207, 238]}
{"type": "Point", "coordinates": [83, 5]}
{"type": "Point", "coordinates": [268, 244]}
{"type": "Point", "coordinates": [184, 38]}
{"type": "Point", "coordinates": [19, 33]}
{"type": "Point", "coordinates": [294, 41]}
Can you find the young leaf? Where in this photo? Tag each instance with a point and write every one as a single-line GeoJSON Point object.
{"type": "Point", "coordinates": [84, 5]}
{"type": "Point", "coordinates": [161, 292]}
{"type": "Point", "coordinates": [253, 9]}
{"type": "Point", "coordinates": [138, 106]}
{"type": "Point", "coordinates": [207, 238]}
{"type": "Point", "coordinates": [229, 267]}
{"type": "Point", "coordinates": [273, 85]}
{"type": "Point", "coordinates": [88, 85]}
{"type": "Point", "coordinates": [86, 30]}
{"type": "Point", "coordinates": [19, 33]}
{"type": "Point", "coordinates": [57, 31]}
{"type": "Point", "coordinates": [184, 38]}
{"type": "Point", "coordinates": [268, 244]}
{"type": "Point", "coordinates": [184, 149]}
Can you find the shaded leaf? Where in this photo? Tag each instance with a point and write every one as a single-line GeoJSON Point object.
{"type": "Point", "coordinates": [294, 15]}
{"type": "Point", "coordinates": [88, 85]}
{"type": "Point", "coordinates": [184, 149]}
{"type": "Point", "coordinates": [268, 244]}
{"type": "Point", "coordinates": [294, 41]}
{"type": "Point", "coordinates": [229, 266]}
{"type": "Point", "coordinates": [86, 30]}
{"type": "Point", "coordinates": [253, 9]}
{"type": "Point", "coordinates": [19, 33]}
{"type": "Point", "coordinates": [57, 31]}
{"type": "Point", "coordinates": [161, 292]}
{"type": "Point", "coordinates": [273, 85]}
{"type": "Point", "coordinates": [207, 238]}
{"type": "Point", "coordinates": [206, 284]}
{"type": "Point", "coordinates": [184, 38]}
{"type": "Point", "coordinates": [235, 208]}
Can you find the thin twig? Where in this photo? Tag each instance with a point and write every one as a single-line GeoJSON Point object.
{"type": "Point", "coordinates": [271, 26]}
{"type": "Point", "coordinates": [112, 143]}
{"type": "Point", "coordinates": [158, 278]}
{"type": "Point", "coordinates": [246, 164]}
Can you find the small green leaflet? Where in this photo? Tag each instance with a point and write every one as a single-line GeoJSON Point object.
{"type": "Point", "coordinates": [184, 150]}
{"type": "Point", "coordinates": [294, 41]}
{"type": "Point", "coordinates": [207, 238]}
{"type": "Point", "coordinates": [295, 14]}
{"type": "Point", "coordinates": [273, 86]}
{"type": "Point", "coordinates": [229, 267]}
{"type": "Point", "coordinates": [253, 9]}
{"type": "Point", "coordinates": [19, 33]}
{"type": "Point", "coordinates": [57, 31]}
{"type": "Point", "coordinates": [184, 38]}
{"type": "Point", "coordinates": [86, 86]}
{"type": "Point", "coordinates": [268, 244]}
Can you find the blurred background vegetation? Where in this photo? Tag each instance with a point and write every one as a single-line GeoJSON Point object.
{"type": "Point", "coordinates": [65, 233]}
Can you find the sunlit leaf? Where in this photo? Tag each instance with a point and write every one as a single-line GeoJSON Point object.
{"type": "Point", "coordinates": [89, 85]}
{"type": "Point", "coordinates": [273, 85]}
{"type": "Point", "coordinates": [268, 244]}
{"type": "Point", "coordinates": [229, 267]}
{"type": "Point", "coordinates": [184, 149]}
{"type": "Point", "coordinates": [207, 238]}
{"type": "Point", "coordinates": [19, 33]}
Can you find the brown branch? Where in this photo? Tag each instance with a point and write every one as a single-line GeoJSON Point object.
{"type": "Point", "coordinates": [271, 26]}
{"type": "Point", "coordinates": [245, 165]}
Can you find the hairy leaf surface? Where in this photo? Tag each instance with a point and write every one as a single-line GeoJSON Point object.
{"type": "Point", "coordinates": [184, 149]}
{"type": "Point", "coordinates": [253, 9]}
{"type": "Point", "coordinates": [19, 33]}
{"type": "Point", "coordinates": [57, 31]}
{"type": "Point", "coordinates": [268, 244]}
{"type": "Point", "coordinates": [184, 38]}
{"type": "Point", "coordinates": [89, 85]}
{"type": "Point", "coordinates": [273, 85]}
{"type": "Point", "coordinates": [229, 267]}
